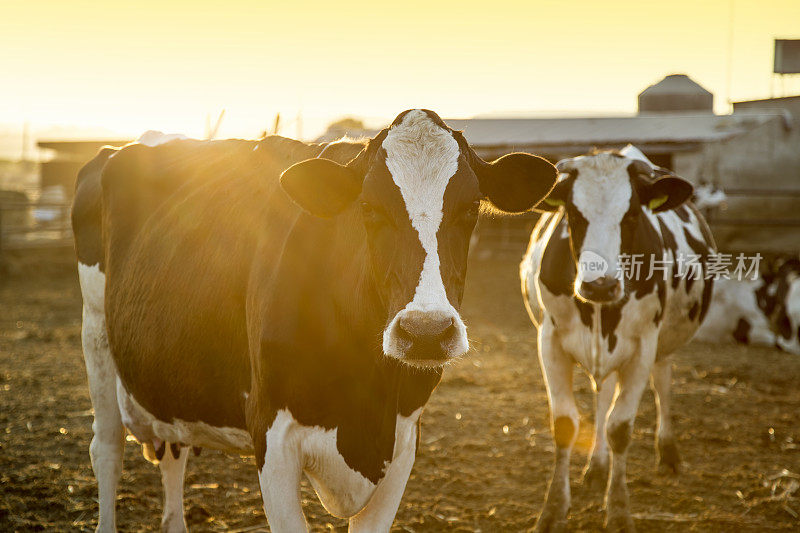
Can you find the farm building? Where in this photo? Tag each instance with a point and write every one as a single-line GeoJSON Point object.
{"type": "Point", "coordinates": [752, 154]}
{"type": "Point", "coordinates": [37, 214]}
{"type": "Point", "coordinates": [61, 170]}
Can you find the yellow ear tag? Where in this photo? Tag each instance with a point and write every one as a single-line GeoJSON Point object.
{"type": "Point", "coordinates": [554, 202]}
{"type": "Point", "coordinates": [657, 202]}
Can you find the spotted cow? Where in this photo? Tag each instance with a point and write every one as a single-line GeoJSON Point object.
{"type": "Point", "coordinates": [618, 324]}
{"type": "Point", "coordinates": [763, 311]}
{"type": "Point", "coordinates": [293, 301]}
{"type": "Point", "coordinates": [735, 314]}
{"type": "Point", "coordinates": [780, 301]}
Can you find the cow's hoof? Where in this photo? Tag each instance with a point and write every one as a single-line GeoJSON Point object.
{"type": "Point", "coordinates": [103, 527]}
{"type": "Point", "coordinates": [669, 460]}
{"type": "Point", "coordinates": [173, 524]}
{"type": "Point", "coordinates": [595, 476]}
{"type": "Point", "coordinates": [551, 522]}
{"type": "Point", "coordinates": [620, 522]}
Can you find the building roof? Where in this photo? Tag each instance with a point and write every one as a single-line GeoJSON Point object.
{"type": "Point", "coordinates": [643, 129]}
{"type": "Point", "coordinates": [676, 93]}
{"type": "Point", "coordinates": [72, 147]}
{"type": "Point", "coordinates": [776, 100]}
{"type": "Point", "coordinates": [676, 84]}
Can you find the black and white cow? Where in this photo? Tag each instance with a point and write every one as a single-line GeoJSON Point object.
{"type": "Point", "coordinates": [781, 303]}
{"type": "Point", "coordinates": [305, 320]}
{"type": "Point", "coordinates": [619, 328]}
{"type": "Point", "coordinates": [735, 315]}
{"type": "Point", "coordinates": [763, 311]}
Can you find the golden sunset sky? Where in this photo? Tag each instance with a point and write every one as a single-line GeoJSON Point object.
{"type": "Point", "coordinates": [131, 66]}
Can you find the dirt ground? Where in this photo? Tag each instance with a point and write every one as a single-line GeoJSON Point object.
{"type": "Point", "coordinates": [486, 450]}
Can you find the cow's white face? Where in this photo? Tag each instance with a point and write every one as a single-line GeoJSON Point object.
{"type": "Point", "coordinates": [601, 198]}
{"type": "Point", "coordinates": [422, 159]}
{"type": "Point", "coordinates": [604, 196]}
{"type": "Point", "coordinates": [418, 186]}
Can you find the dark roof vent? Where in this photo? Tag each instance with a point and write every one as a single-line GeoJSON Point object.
{"type": "Point", "coordinates": [676, 93]}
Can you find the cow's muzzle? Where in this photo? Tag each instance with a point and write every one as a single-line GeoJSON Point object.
{"type": "Point", "coordinates": [425, 338]}
{"type": "Point", "coordinates": [605, 289]}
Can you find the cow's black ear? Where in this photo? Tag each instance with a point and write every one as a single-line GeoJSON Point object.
{"type": "Point", "coordinates": [665, 193]}
{"type": "Point", "coordinates": [516, 182]}
{"type": "Point", "coordinates": [557, 197]}
{"type": "Point", "coordinates": [322, 187]}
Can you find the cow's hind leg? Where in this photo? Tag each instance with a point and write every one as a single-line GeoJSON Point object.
{"type": "Point", "coordinates": [557, 368]}
{"type": "Point", "coordinates": [666, 450]}
{"type": "Point", "coordinates": [108, 440]}
{"type": "Point", "coordinates": [173, 466]}
{"type": "Point", "coordinates": [595, 476]}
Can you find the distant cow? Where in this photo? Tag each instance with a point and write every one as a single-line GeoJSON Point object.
{"type": "Point", "coordinates": [618, 325]}
{"type": "Point", "coordinates": [305, 320]}
{"type": "Point", "coordinates": [735, 316]}
{"type": "Point", "coordinates": [764, 311]}
{"type": "Point", "coordinates": [781, 303]}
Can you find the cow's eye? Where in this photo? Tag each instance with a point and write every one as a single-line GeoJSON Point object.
{"type": "Point", "coordinates": [374, 216]}
{"type": "Point", "coordinates": [469, 214]}
{"type": "Point", "coordinates": [629, 218]}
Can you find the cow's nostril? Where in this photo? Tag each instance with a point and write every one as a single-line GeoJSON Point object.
{"type": "Point", "coordinates": [448, 332]}
{"type": "Point", "coordinates": [403, 333]}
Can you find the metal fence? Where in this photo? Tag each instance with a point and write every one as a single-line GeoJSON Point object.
{"type": "Point", "coordinates": [754, 230]}
{"type": "Point", "coordinates": [716, 219]}
{"type": "Point", "coordinates": [36, 224]}
{"type": "Point", "coordinates": [33, 224]}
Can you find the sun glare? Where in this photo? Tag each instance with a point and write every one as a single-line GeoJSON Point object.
{"type": "Point", "coordinates": [131, 67]}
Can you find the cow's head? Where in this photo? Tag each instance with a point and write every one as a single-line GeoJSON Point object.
{"type": "Point", "coordinates": [418, 186]}
{"type": "Point", "coordinates": [605, 197]}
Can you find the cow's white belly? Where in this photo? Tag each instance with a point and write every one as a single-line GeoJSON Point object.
{"type": "Point", "coordinates": [147, 428]}
{"type": "Point", "coordinates": [343, 491]}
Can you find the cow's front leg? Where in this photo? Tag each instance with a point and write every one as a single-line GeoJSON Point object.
{"type": "Point", "coordinates": [279, 479]}
{"type": "Point", "coordinates": [633, 377]}
{"type": "Point", "coordinates": [666, 450]}
{"type": "Point", "coordinates": [557, 369]}
{"type": "Point", "coordinates": [595, 476]}
{"type": "Point", "coordinates": [379, 513]}
{"type": "Point", "coordinates": [173, 466]}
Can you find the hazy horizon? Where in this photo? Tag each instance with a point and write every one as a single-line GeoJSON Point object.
{"type": "Point", "coordinates": [125, 68]}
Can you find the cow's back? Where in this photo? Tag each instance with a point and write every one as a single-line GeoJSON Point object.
{"type": "Point", "coordinates": [181, 222]}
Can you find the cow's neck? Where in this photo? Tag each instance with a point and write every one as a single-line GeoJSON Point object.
{"type": "Point", "coordinates": [336, 317]}
{"type": "Point", "coordinates": [358, 322]}
{"type": "Point", "coordinates": [319, 321]}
